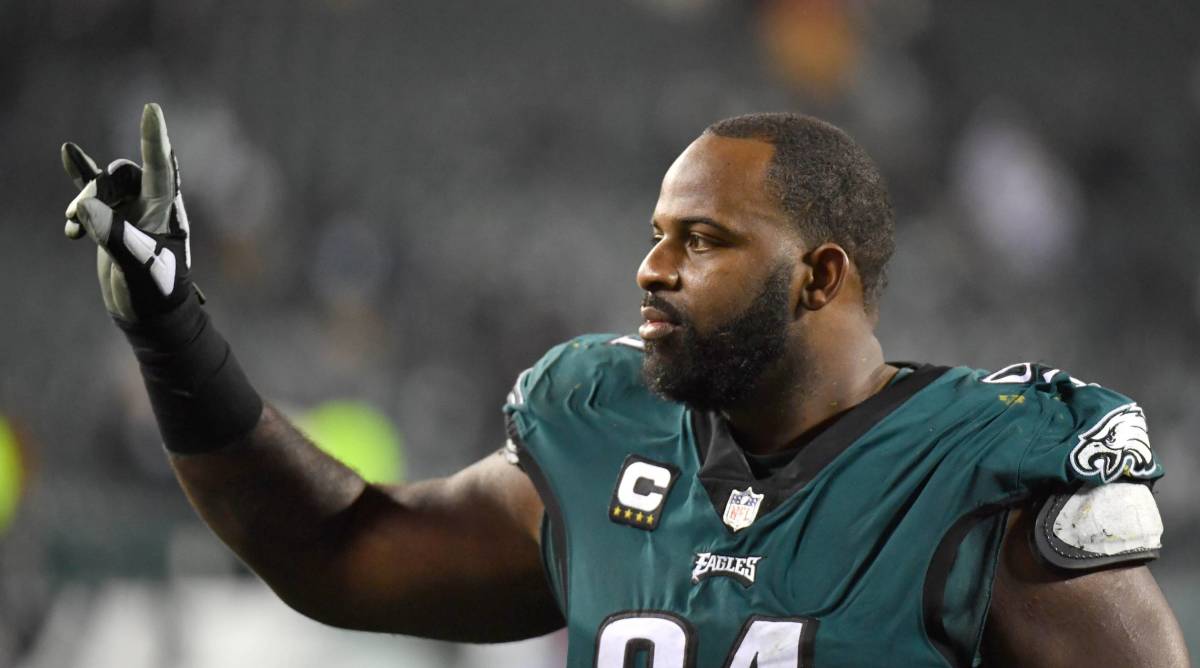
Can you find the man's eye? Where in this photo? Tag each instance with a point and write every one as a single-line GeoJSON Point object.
{"type": "Point", "coordinates": [654, 239]}
{"type": "Point", "coordinates": [697, 242]}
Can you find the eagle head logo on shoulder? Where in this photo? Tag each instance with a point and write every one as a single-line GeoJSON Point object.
{"type": "Point", "coordinates": [1118, 443]}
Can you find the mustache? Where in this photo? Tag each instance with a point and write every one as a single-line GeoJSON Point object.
{"type": "Point", "coordinates": [651, 300]}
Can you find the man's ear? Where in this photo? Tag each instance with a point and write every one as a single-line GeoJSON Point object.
{"type": "Point", "coordinates": [826, 270]}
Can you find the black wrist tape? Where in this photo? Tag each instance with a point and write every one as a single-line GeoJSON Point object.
{"type": "Point", "coordinates": [200, 395]}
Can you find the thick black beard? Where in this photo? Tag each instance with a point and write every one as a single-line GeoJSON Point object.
{"type": "Point", "coordinates": [718, 370]}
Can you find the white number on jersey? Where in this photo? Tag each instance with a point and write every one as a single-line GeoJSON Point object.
{"type": "Point", "coordinates": [668, 641]}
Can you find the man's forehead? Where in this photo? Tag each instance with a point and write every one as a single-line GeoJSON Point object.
{"type": "Point", "coordinates": [722, 178]}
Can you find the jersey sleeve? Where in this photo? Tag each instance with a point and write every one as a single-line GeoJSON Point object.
{"type": "Point", "coordinates": [1091, 435]}
{"type": "Point", "coordinates": [573, 387]}
{"type": "Point", "coordinates": [529, 398]}
{"type": "Point", "coordinates": [1093, 465]}
{"type": "Point", "coordinates": [558, 413]}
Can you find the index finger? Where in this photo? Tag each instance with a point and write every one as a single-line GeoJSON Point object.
{"type": "Point", "coordinates": [158, 170]}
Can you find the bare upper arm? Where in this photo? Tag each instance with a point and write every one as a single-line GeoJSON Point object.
{"type": "Point", "coordinates": [454, 558]}
{"type": "Point", "coordinates": [1044, 617]}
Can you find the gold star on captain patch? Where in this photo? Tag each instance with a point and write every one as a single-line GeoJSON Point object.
{"type": "Point", "coordinates": [649, 519]}
{"type": "Point", "coordinates": [628, 513]}
{"type": "Point", "coordinates": [639, 517]}
{"type": "Point", "coordinates": [616, 511]}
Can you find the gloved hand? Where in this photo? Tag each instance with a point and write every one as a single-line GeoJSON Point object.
{"type": "Point", "coordinates": [136, 217]}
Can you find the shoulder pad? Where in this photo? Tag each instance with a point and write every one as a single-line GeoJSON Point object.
{"type": "Point", "coordinates": [1099, 526]}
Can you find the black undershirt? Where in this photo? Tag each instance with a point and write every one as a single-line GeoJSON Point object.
{"type": "Point", "coordinates": [763, 466]}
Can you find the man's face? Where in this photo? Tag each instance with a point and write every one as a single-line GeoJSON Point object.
{"type": "Point", "coordinates": [718, 278]}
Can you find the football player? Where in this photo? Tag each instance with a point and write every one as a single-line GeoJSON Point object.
{"type": "Point", "coordinates": [746, 483]}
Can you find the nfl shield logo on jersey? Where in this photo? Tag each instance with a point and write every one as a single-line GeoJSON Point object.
{"type": "Point", "coordinates": [742, 508]}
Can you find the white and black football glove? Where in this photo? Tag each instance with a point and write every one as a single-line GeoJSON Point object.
{"type": "Point", "coordinates": [136, 217]}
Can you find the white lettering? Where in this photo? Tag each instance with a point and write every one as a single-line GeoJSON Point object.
{"type": "Point", "coordinates": [636, 471]}
{"type": "Point", "coordinates": [707, 564]}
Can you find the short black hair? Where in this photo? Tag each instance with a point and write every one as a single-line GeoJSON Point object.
{"type": "Point", "coordinates": [829, 186]}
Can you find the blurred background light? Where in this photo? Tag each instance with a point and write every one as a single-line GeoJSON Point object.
{"type": "Point", "coordinates": [12, 474]}
{"type": "Point", "coordinates": [358, 436]}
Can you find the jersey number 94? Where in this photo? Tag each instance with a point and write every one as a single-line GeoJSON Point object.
{"type": "Point", "coordinates": [666, 640]}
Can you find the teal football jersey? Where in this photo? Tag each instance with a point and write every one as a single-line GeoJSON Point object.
{"type": "Point", "coordinates": [876, 545]}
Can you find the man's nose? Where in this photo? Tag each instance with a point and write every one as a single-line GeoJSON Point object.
{"type": "Point", "coordinates": [659, 269]}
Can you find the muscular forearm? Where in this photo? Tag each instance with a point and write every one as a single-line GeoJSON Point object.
{"type": "Point", "coordinates": [273, 497]}
{"type": "Point", "coordinates": [297, 517]}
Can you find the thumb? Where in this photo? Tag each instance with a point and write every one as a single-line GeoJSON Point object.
{"type": "Point", "coordinates": [96, 218]}
{"type": "Point", "coordinates": [73, 229]}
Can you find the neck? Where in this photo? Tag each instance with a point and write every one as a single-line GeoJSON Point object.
{"type": "Point", "coordinates": [812, 385]}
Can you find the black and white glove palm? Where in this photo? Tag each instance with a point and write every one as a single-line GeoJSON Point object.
{"type": "Point", "coordinates": [136, 217]}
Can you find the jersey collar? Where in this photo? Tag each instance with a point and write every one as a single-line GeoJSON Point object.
{"type": "Point", "coordinates": [723, 464]}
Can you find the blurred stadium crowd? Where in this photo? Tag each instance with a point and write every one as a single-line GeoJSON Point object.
{"type": "Point", "coordinates": [402, 205]}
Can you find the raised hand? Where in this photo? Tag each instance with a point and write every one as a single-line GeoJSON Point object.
{"type": "Point", "coordinates": [137, 219]}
